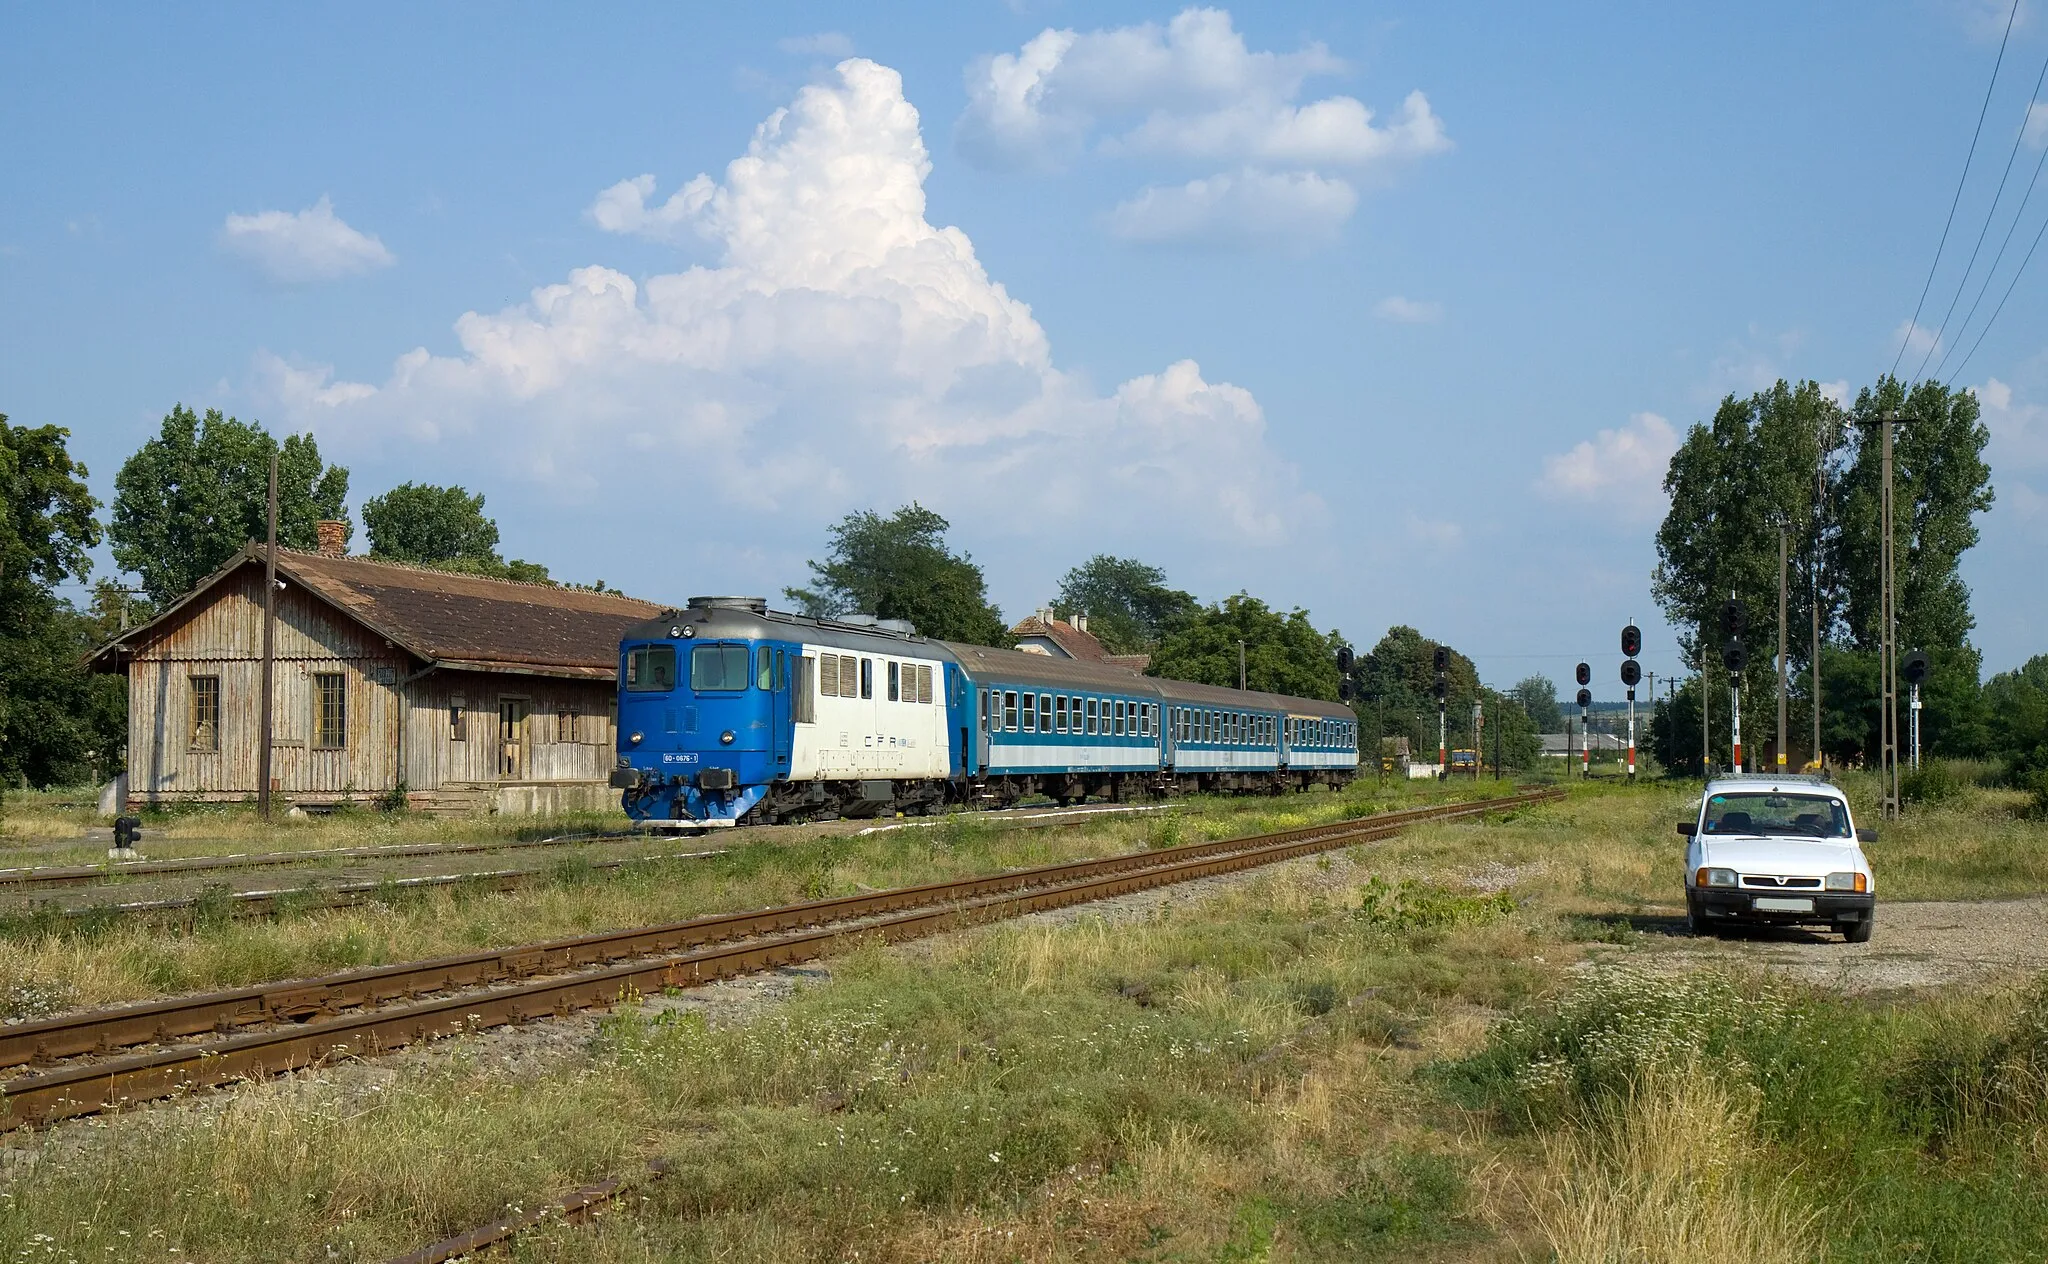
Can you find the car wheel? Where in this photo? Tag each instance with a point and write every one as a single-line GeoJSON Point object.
{"type": "Point", "coordinates": [1695, 919]}
{"type": "Point", "coordinates": [1859, 932]}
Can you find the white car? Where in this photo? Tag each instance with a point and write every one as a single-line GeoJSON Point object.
{"type": "Point", "coordinates": [1777, 850]}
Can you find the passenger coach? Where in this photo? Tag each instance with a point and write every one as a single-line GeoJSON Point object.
{"type": "Point", "coordinates": [730, 713]}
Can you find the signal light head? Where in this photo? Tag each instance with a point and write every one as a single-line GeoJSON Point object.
{"type": "Point", "coordinates": [1734, 654]}
{"type": "Point", "coordinates": [1443, 686]}
{"type": "Point", "coordinates": [1344, 658]}
{"type": "Point", "coordinates": [1631, 641]}
{"type": "Point", "coordinates": [1914, 669]}
{"type": "Point", "coordinates": [1631, 672]}
{"type": "Point", "coordinates": [1585, 698]}
{"type": "Point", "coordinates": [1443, 659]}
{"type": "Point", "coordinates": [1734, 619]}
{"type": "Point", "coordinates": [1585, 674]}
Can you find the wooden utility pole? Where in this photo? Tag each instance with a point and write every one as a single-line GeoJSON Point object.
{"type": "Point", "coordinates": [1888, 633]}
{"type": "Point", "coordinates": [269, 650]}
{"type": "Point", "coordinates": [1820, 489]}
{"type": "Point", "coordinates": [1783, 555]}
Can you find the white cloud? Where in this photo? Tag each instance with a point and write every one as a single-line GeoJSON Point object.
{"type": "Point", "coordinates": [1439, 533]}
{"type": "Point", "coordinates": [2019, 430]}
{"type": "Point", "coordinates": [298, 246]}
{"type": "Point", "coordinates": [1621, 469]}
{"type": "Point", "coordinates": [844, 353]}
{"type": "Point", "coordinates": [835, 45]}
{"type": "Point", "coordinates": [1836, 392]}
{"type": "Point", "coordinates": [1190, 91]}
{"type": "Point", "coordinates": [2035, 130]}
{"type": "Point", "coordinates": [1408, 311]}
{"type": "Point", "coordinates": [1296, 209]}
{"type": "Point", "coordinates": [1918, 340]}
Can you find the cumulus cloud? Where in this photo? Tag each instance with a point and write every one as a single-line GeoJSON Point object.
{"type": "Point", "coordinates": [299, 246]}
{"type": "Point", "coordinates": [1295, 209]}
{"type": "Point", "coordinates": [1408, 311]}
{"type": "Point", "coordinates": [2019, 430]}
{"type": "Point", "coordinates": [1190, 91]}
{"type": "Point", "coordinates": [1621, 469]}
{"type": "Point", "coordinates": [843, 353]}
{"type": "Point", "coordinates": [1836, 392]}
{"type": "Point", "coordinates": [1918, 340]}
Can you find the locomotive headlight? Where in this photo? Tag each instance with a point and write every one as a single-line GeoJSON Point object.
{"type": "Point", "coordinates": [675, 629]}
{"type": "Point", "coordinates": [688, 632]}
{"type": "Point", "coordinates": [634, 740]}
{"type": "Point", "coordinates": [725, 738]}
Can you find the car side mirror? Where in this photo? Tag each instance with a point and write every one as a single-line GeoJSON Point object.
{"type": "Point", "coordinates": [1687, 828]}
{"type": "Point", "coordinates": [1866, 835]}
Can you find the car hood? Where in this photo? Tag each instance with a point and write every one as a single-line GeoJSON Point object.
{"type": "Point", "coordinates": [1804, 857]}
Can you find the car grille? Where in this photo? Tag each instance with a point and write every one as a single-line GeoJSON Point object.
{"type": "Point", "coordinates": [1768, 882]}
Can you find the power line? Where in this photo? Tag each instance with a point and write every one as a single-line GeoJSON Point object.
{"type": "Point", "coordinates": [2001, 302]}
{"type": "Point", "coordinates": [1991, 272]}
{"type": "Point", "coordinates": [1990, 213]}
{"type": "Point", "coordinates": [1957, 201]}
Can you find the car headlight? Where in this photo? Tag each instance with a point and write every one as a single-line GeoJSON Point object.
{"type": "Point", "coordinates": [1846, 882]}
{"type": "Point", "coordinates": [1714, 878]}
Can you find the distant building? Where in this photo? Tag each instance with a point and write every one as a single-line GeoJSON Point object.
{"type": "Point", "coordinates": [469, 694]}
{"type": "Point", "coordinates": [1040, 633]}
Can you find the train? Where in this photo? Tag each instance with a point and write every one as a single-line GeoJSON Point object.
{"type": "Point", "coordinates": [731, 713]}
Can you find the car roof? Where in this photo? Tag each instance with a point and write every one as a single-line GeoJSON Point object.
{"type": "Point", "coordinates": [1752, 783]}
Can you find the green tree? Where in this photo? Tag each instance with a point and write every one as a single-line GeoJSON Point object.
{"type": "Point", "coordinates": [899, 567]}
{"type": "Point", "coordinates": [58, 723]}
{"type": "Point", "coordinates": [1283, 653]}
{"type": "Point", "coordinates": [1537, 695]}
{"type": "Point", "coordinates": [1129, 607]}
{"type": "Point", "coordinates": [1396, 679]}
{"type": "Point", "coordinates": [442, 527]}
{"type": "Point", "coordinates": [198, 491]}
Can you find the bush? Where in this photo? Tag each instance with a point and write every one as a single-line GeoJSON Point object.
{"type": "Point", "coordinates": [1934, 781]}
{"type": "Point", "coordinates": [1421, 906]}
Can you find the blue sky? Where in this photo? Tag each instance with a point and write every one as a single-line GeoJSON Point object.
{"type": "Point", "coordinates": [1215, 288]}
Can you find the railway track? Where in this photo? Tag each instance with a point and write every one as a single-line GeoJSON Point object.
{"type": "Point", "coordinates": [214, 1038]}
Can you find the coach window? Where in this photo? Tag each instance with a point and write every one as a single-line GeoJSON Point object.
{"type": "Point", "coordinates": [1010, 712]}
{"type": "Point", "coordinates": [984, 710]}
{"type": "Point", "coordinates": [1059, 714]}
{"type": "Point", "coordinates": [867, 678]}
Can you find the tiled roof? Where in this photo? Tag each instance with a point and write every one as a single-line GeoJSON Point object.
{"type": "Point", "coordinates": [1072, 640]}
{"type": "Point", "coordinates": [444, 617]}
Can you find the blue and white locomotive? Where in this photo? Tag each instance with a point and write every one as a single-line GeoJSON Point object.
{"type": "Point", "coordinates": [731, 713]}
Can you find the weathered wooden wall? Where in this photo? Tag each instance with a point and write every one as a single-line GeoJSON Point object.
{"type": "Point", "coordinates": [393, 721]}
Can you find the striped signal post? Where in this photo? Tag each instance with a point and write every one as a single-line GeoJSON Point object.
{"type": "Point", "coordinates": [1584, 675]}
{"type": "Point", "coordinates": [1631, 675]}
{"type": "Point", "coordinates": [1443, 693]}
{"type": "Point", "coordinates": [1735, 657]}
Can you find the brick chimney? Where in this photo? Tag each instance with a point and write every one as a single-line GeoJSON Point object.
{"type": "Point", "coordinates": [333, 538]}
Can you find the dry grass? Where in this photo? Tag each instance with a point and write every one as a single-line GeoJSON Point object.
{"type": "Point", "coordinates": [1676, 1172]}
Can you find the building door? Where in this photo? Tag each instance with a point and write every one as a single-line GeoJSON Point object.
{"type": "Point", "coordinates": [512, 738]}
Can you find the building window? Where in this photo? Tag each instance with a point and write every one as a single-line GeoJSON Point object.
{"type": "Point", "coordinates": [330, 710]}
{"type": "Point", "coordinates": [565, 724]}
{"type": "Point", "coordinates": [205, 734]}
{"type": "Point", "coordinates": [457, 729]}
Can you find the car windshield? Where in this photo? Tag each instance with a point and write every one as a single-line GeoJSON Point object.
{"type": "Point", "coordinates": [1802, 815]}
{"type": "Point", "coordinates": [718, 667]}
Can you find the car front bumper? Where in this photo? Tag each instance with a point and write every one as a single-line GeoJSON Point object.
{"type": "Point", "coordinates": [1740, 904]}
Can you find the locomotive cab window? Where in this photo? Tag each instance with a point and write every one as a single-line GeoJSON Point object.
{"type": "Point", "coordinates": [651, 669]}
{"type": "Point", "coordinates": [764, 669]}
{"type": "Point", "coordinates": [894, 670]}
{"type": "Point", "coordinates": [718, 668]}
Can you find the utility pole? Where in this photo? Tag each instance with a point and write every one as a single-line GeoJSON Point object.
{"type": "Point", "coordinates": [269, 650]}
{"type": "Point", "coordinates": [1888, 634]}
{"type": "Point", "coordinates": [1820, 490]}
{"type": "Point", "coordinates": [1240, 666]}
{"type": "Point", "coordinates": [1706, 726]}
{"type": "Point", "coordinates": [1783, 546]}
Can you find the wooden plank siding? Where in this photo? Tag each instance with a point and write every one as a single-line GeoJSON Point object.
{"type": "Point", "coordinates": [397, 711]}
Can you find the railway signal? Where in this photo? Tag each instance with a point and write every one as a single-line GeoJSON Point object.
{"type": "Point", "coordinates": [1735, 657]}
{"type": "Point", "coordinates": [1914, 669]}
{"type": "Point", "coordinates": [1632, 675]}
{"type": "Point", "coordinates": [1443, 692]}
{"type": "Point", "coordinates": [1584, 675]}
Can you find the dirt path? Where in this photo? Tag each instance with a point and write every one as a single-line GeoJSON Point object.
{"type": "Point", "coordinates": [1917, 945]}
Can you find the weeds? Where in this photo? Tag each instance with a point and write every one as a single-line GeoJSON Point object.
{"type": "Point", "coordinates": [1413, 905]}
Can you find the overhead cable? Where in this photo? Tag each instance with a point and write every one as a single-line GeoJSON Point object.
{"type": "Point", "coordinates": [1957, 200]}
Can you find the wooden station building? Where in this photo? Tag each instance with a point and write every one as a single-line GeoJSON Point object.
{"type": "Point", "coordinates": [472, 694]}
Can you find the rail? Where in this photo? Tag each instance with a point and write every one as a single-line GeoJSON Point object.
{"type": "Point", "coordinates": [304, 1024]}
